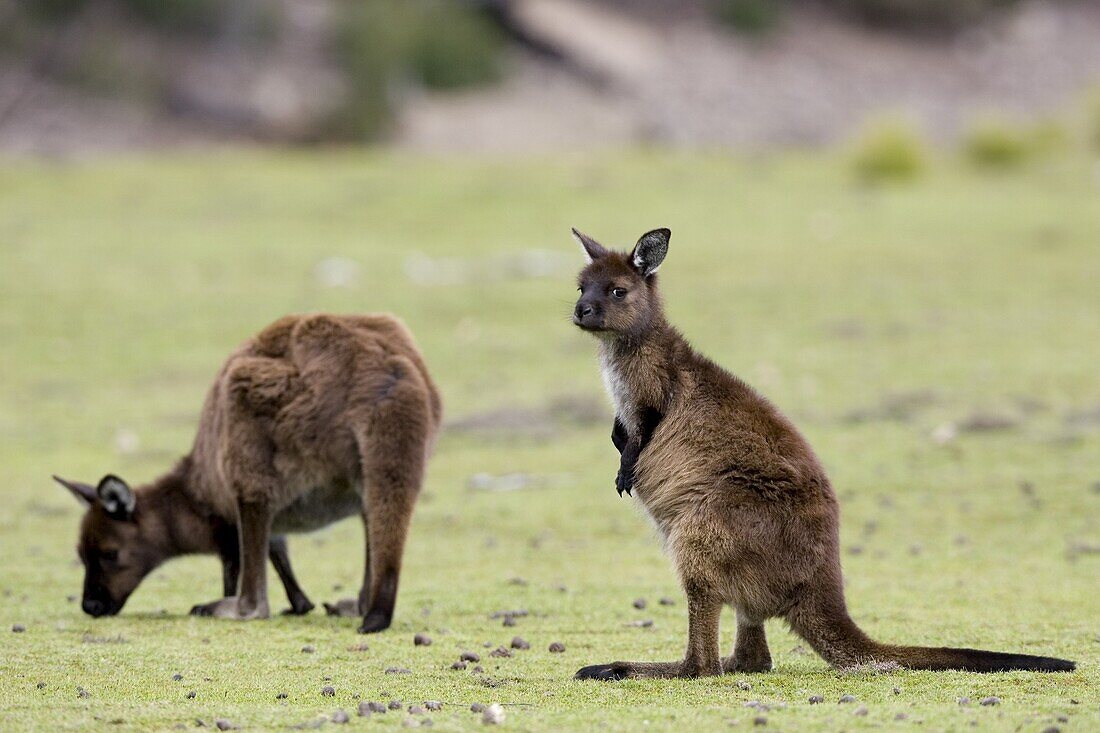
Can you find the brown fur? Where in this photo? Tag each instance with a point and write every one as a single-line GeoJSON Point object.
{"type": "Point", "coordinates": [316, 418]}
{"type": "Point", "coordinates": [743, 505]}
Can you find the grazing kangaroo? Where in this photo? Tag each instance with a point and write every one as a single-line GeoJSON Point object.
{"type": "Point", "coordinates": [316, 418]}
{"type": "Point", "coordinates": [737, 494]}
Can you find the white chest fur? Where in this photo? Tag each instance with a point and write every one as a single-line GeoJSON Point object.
{"type": "Point", "coordinates": [619, 391]}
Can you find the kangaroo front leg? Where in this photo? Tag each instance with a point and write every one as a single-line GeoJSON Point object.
{"type": "Point", "coordinates": [631, 447]}
{"type": "Point", "coordinates": [280, 559]}
{"type": "Point", "coordinates": [250, 602]}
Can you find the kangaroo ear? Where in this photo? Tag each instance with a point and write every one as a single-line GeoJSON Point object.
{"type": "Point", "coordinates": [84, 493]}
{"type": "Point", "coordinates": [116, 497]}
{"type": "Point", "coordinates": [593, 250]}
{"type": "Point", "coordinates": [650, 251]}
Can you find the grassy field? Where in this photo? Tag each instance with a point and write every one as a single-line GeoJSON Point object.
{"type": "Point", "coordinates": [937, 342]}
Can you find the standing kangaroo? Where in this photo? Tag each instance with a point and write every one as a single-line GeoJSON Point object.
{"type": "Point", "coordinates": [741, 501]}
{"type": "Point", "coordinates": [316, 418]}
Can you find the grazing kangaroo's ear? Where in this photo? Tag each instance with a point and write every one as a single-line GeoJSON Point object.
{"type": "Point", "coordinates": [116, 497]}
{"type": "Point", "coordinates": [593, 250]}
{"type": "Point", "coordinates": [650, 251]}
{"type": "Point", "coordinates": [83, 492]}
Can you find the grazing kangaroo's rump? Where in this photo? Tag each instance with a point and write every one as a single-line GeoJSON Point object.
{"type": "Point", "coordinates": [745, 508]}
{"type": "Point", "coordinates": [316, 418]}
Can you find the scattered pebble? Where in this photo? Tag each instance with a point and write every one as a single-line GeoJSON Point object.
{"type": "Point", "coordinates": [1052, 729]}
{"type": "Point", "coordinates": [458, 665]}
{"type": "Point", "coordinates": [340, 717]}
{"type": "Point", "coordinates": [422, 640]}
{"type": "Point", "coordinates": [477, 707]}
{"type": "Point", "coordinates": [177, 677]}
{"type": "Point", "coordinates": [328, 691]}
{"type": "Point", "coordinates": [509, 621]}
{"type": "Point", "coordinates": [517, 581]}
{"type": "Point", "coordinates": [1062, 718]}
{"type": "Point", "coordinates": [364, 710]}
{"type": "Point", "coordinates": [518, 642]}
{"type": "Point", "coordinates": [433, 705]}
{"type": "Point", "coordinates": [816, 699]}
{"type": "Point", "coordinates": [847, 698]}
{"type": "Point", "coordinates": [557, 647]}
{"type": "Point", "coordinates": [641, 624]}
{"type": "Point", "coordinates": [901, 716]}
{"type": "Point", "coordinates": [398, 670]}
{"type": "Point", "coordinates": [18, 628]}
{"type": "Point", "coordinates": [500, 652]}
{"type": "Point", "coordinates": [81, 692]}
{"type": "Point", "coordinates": [666, 601]}
{"type": "Point", "coordinates": [742, 685]}
{"type": "Point", "coordinates": [308, 649]}
{"type": "Point", "coordinates": [41, 685]}
{"type": "Point", "coordinates": [376, 707]}
{"type": "Point", "coordinates": [416, 710]}
{"type": "Point", "coordinates": [223, 724]}
{"type": "Point", "coordinates": [469, 657]}
{"type": "Point", "coordinates": [190, 695]}
{"type": "Point", "coordinates": [964, 701]}
{"type": "Point", "coordinates": [760, 720]}
{"type": "Point", "coordinates": [861, 711]}
{"type": "Point", "coordinates": [640, 604]}
{"type": "Point", "coordinates": [897, 690]}
{"type": "Point", "coordinates": [493, 715]}
{"type": "Point", "coordinates": [358, 648]}
{"type": "Point", "coordinates": [478, 669]}
{"type": "Point", "coordinates": [990, 701]}
{"type": "Point", "coordinates": [282, 696]}
{"type": "Point", "coordinates": [395, 705]}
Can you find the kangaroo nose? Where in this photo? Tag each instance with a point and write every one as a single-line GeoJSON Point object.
{"type": "Point", "coordinates": [582, 310]}
{"type": "Point", "coordinates": [93, 607]}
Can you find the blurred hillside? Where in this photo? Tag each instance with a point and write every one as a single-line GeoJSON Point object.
{"type": "Point", "coordinates": [487, 75]}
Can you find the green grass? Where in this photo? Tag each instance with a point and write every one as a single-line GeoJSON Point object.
{"type": "Point", "coordinates": [124, 284]}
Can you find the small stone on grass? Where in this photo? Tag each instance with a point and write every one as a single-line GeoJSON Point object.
{"type": "Point", "coordinates": [640, 604]}
{"type": "Point", "coordinates": [459, 665]}
{"type": "Point", "coordinates": [339, 717]}
{"type": "Point", "coordinates": [18, 628]}
{"type": "Point", "coordinates": [223, 724]}
{"type": "Point", "coordinates": [422, 640]}
{"type": "Point", "coordinates": [557, 647]}
{"type": "Point", "coordinates": [309, 649]}
{"type": "Point", "coordinates": [493, 715]}
{"type": "Point", "coordinates": [847, 698]}
{"type": "Point", "coordinates": [433, 705]}
{"type": "Point", "coordinates": [990, 701]}
{"type": "Point", "coordinates": [469, 657]}
{"type": "Point", "coordinates": [816, 699]}
{"type": "Point", "coordinates": [518, 642]}
{"type": "Point", "coordinates": [328, 691]}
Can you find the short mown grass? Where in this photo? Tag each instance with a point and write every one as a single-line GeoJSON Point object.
{"type": "Point", "coordinates": [937, 342]}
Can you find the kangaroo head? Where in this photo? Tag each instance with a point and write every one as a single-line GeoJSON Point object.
{"type": "Point", "coordinates": [112, 545]}
{"type": "Point", "coordinates": [618, 290]}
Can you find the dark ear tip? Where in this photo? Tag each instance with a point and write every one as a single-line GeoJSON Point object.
{"type": "Point", "coordinates": [110, 477]}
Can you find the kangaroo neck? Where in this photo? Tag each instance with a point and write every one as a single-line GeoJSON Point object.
{"type": "Point", "coordinates": [640, 371]}
{"type": "Point", "coordinates": [172, 522]}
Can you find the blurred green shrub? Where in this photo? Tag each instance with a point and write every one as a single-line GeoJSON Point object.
{"type": "Point", "coordinates": [922, 13]}
{"type": "Point", "coordinates": [751, 17]}
{"type": "Point", "coordinates": [993, 143]}
{"type": "Point", "coordinates": [439, 44]}
{"type": "Point", "coordinates": [889, 150]}
{"type": "Point", "coordinates": [1092, 119]}
{"type": "Point", "coordinates": [1000, 143]}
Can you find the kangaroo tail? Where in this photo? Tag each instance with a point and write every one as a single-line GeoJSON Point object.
{"type": "Point", "coordinates": [827, 627]}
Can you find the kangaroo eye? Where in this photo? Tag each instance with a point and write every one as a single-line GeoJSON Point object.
{"type": "Point", "coordinates": [110, 555]}
{"type": "Point", "coordinates": [619, 292]}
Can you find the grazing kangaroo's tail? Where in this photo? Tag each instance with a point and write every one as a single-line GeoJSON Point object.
{"type": "Point", "coordinates": [828, 628]}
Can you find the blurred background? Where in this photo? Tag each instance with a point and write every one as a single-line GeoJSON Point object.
{"type": "Point", "coordinates": [885, 216]}
{"type": "Point", "coordinates": [92, 76]}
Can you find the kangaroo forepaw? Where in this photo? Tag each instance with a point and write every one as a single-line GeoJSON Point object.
{"type": "Point", "coordinates": [298, 607]}
{"type": "Point", "coordinates": [344, 608]}
{"type": "Point", "coordinates": [624, 482]}
{"type": "Point", "coordinates": [231, 607]}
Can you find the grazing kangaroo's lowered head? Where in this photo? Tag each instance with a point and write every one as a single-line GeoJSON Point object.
{"type": "Point", "coordinates": [743, 505]}
{"type": "Point", "coordinates": [113, 544]}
